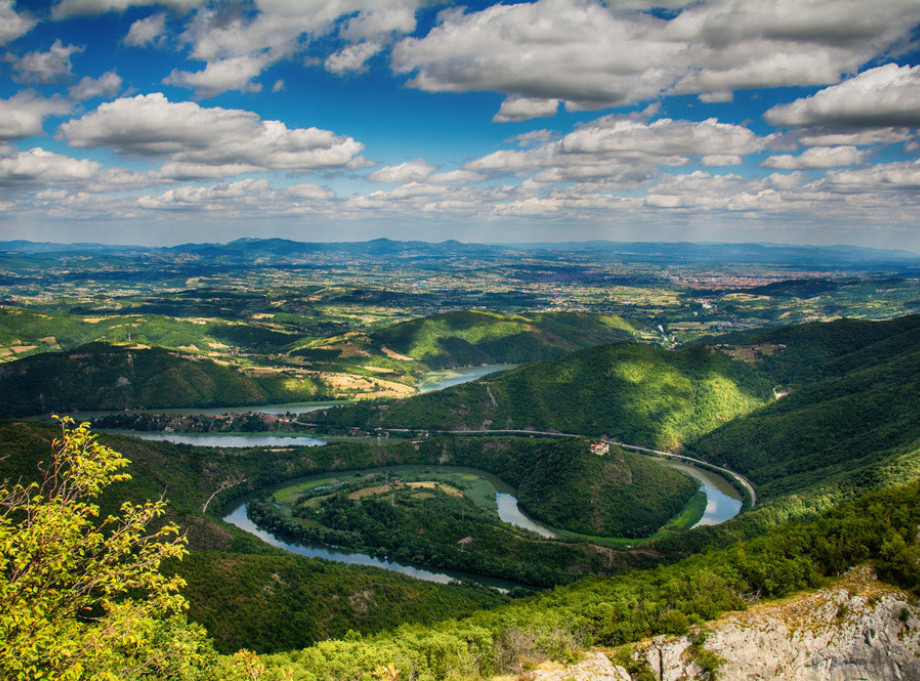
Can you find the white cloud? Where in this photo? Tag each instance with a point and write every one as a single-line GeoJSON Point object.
{"type": "Point", "coordinates": [703, 191]}
{"type": "Point", "coordinates": [13, 24]}
{"type": "Point", "coordinates": [527, 139]}
{"type": "Point", "coordinates": [309, 192]}
{"type": "Point", "coordinates": [452, 176]}
{"type": "Point", "coordinates": [21, 115]}
{"type": "Point", "coordinates": [222, 75]}
{"type": "Point", "coordinates": [716, 97]}
{"type": "Point", "coordinates": [194, 138]}
{"type": "Point", "coordinates": [278, 86]}
{"type": "Point", "coordinates": [410, 171]}
{"type": "Point", "coordinates": [517, 108]}
{"type": "Point", "coordinates": [881, 177]}
{"type": "Point", "coordinates": [592, 55]}
{"type": "Point", "coordinates": [816, 157]}
{"type": "Point", "coordinates": [886, 96]}
{"type": "Point", "coordinates": [147, 32]}
{"type": "Point", "coordinates": [247, 192]}
{"type": "Point", "coordinates": [69, 8]}
{"type": "Point", "coordinates": [48, 67]}
{"type": "Point", "coordinates": [106, 85]}
{"type": "Point", "coordinates": [42, 168]}
{"type": "Point", "coordinates": [617, 148]}
{"type": "Point", "coordinates": [374, 24]}
{"type": "Point", "coordinates": [721, 160]}
{"type": "Point", "coordinates": [859, 138]}
{"type": "Point", "coordinates": [352, 58]}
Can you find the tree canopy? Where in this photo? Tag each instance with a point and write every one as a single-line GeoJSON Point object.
{"type": "Point", "coordinates": [82, 597]}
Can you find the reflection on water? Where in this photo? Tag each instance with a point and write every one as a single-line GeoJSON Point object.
{"type": "Point", "coordinates": [723, 502]}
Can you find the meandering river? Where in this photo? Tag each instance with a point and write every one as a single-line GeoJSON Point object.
{"type": "Point", "coordinates": [723, 500]}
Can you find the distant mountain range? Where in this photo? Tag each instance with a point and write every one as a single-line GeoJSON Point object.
{"type": "Point", "coordinates": [652, 252]}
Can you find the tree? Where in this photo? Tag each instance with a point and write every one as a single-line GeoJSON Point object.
{"type": "Point", "coordinates": [82, 597]}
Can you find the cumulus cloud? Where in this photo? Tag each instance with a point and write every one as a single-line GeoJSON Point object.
{"type": "Point", "coordinates": [593, 55]}
{"type": "Point", "coordinates": [40, 168]}
{"type": "Point", "coordinates": [201, 141]}
{"type": "Point", "coordinates": [222, 75]}
{"type": "Point", "coordinates": [517, 108]}
{"type": "Point", "coordinates": [351, 58]}
{"type": "Point", "coordinates": [309, 192]}
{"type": "Point", "coordinates": [12, 23]}
{"type": "Point", "coordinates": [452, 176]}
{"type": "Point", "coordinates": [886, 96]}
{"type": "Point", "coordinates": [410, 171]}
{"type": "Point", "coordinates": [618, 148]}
{"type": "Point", "coordinates": [22, 114]}
{"type": "Point", "coordinates": [147, 32]}
{"type": "Point", "coordinates": [106, 85]}
{"type": "Point", "coordinates": [44, 68]}
{"type": "Point", "coordinates": [373, 24]}
{"type": "Point", "coordinates": [215, 197]}
{"type": "Point", "coordinates": [716, 97]}
{"type": "Point", "coordinates": [881, 177]}
{"type": "Point", "coordinates": [864, 137]}
{"type": "Point", "coordinates": [70, 8]}
{"type": "Point", "coordinates": [817, 157]}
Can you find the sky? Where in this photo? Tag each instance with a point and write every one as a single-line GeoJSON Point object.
{"type": "Point", "coordinates": [159, 123]}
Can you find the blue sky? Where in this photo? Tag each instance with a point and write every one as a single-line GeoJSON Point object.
{"type": "Point", "coordinates": [128, 121]}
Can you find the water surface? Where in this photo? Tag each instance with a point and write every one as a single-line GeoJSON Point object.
{"type": "Point", "coordinates": [438, 380]}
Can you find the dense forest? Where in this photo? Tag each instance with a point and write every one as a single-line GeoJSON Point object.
{"type": "Point", "coordinates": [627, 391]}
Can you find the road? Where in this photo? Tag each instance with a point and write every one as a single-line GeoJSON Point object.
{"type": "Point", "coordinates": [744, 482]}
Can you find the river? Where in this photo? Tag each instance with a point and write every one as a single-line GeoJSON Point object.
{"type": "Point", "coordinates": [233, 440]}
{"type": "Point", "coordinates": [723, 501]}
{"type": "Point", "coordinates": [438, 380]}
{"type": "Point", "coordinates": [508, 512]}
{"type": "Point", "coordinates": [239, 518]}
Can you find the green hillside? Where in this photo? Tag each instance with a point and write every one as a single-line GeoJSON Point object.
{"type": "Point", "coordinates": [850, 422]}
{"type": "Point", "coordinates": [470, 337]}
{"type": "Point", "coordinates": [32, 332]}
{"type": "Point", "coordinates": [278, 601]}
{"type": "Point", "coordinates": [634, 393]}
{"type": "Point", "coordinates": [561, 483]}
{"type": "Point", "coordinates": [106, 377]}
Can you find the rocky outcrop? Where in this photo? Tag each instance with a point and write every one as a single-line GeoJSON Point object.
{"type": "Point", "coordinates": [859, 630]}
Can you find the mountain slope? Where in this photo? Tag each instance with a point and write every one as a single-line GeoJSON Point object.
{"type": "Point", "coordinates": [635, 393]}
{"type": "Point", "coordinates": [100, 377]}
{"type": "Point", "coordinates": [851, 422]}
{"type": "Point", "coordinates": [469, 337]}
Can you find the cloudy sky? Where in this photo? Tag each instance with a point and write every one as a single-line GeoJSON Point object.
{"type": "Point", "coordinates": [133, 121]}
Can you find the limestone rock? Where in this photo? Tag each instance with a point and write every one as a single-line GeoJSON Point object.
{"type": "Point", "coordinates": [859, 630]}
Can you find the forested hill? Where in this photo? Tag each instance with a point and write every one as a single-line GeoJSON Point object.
{"type": "Point", "coordinates": [850, 420]}
{"type": "Point", "coordinates": [98, 376]}
{"type": "Point", "coordinates": [470, 337]}
{"type": "Point", "coordinates": [248, 594]}
{"type": "Point", "coordinates": [636, 393]}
